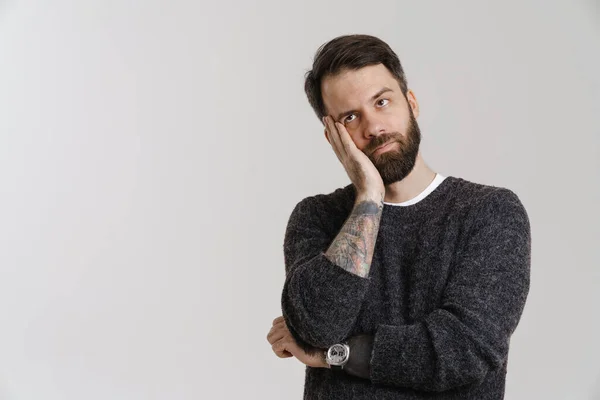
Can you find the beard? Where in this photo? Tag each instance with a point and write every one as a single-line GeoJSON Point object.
{"type": "Point", "coordinates": [395, 164]}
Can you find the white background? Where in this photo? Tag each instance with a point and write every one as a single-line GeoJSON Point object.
{"type": "Point", "coordinates": [152, 151]}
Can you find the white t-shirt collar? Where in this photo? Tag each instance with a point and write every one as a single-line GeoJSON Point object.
{"type": "Point", "coordinates": [434, 184]}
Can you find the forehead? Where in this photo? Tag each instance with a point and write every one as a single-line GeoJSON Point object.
{"type": "Point", "coordinates": [351, 87]}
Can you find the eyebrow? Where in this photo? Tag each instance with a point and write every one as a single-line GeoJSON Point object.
{"type": "Point", "coordinates": [375, 96]}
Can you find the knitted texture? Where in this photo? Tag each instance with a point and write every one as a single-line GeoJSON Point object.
{"type": "Point", "coordinates": [447, 286]}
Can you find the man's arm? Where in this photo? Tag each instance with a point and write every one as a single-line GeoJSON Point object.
{"type": "Point", "coordinates": [469, 334]}
{"type": "Point", "coordinates": [353, 247]}
{"type": "Point", "coordinates": [326, 280]}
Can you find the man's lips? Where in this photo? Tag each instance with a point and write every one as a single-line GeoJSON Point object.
{"type": "Point", "coordinates": [383, 147]}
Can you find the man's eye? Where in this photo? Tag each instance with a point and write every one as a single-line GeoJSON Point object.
{"type": "Point", "coordinates": [346, 119]}
{"type": "Point", "coordinates": [382, 100]}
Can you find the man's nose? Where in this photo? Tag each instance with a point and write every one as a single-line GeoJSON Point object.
{"type": "Point", "coordinates": [373, 130]}
{"type": "Point", "coordinates": [373, 127]}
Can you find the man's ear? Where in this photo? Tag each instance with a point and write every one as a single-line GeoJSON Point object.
{"type": "Point", "coordinates": [412, 102]}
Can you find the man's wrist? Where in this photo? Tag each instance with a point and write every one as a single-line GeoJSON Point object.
{"type": "Point", "coordinates": [324, 359]}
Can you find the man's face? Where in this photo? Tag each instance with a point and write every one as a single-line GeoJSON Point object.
{"type": "Point", "coordinates": [349, 97]}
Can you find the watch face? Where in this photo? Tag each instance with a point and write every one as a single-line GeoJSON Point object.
{"type": "Point", "coordinates": [337, 354]}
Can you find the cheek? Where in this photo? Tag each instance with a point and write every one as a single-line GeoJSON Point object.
{"type": "Point", "coordinates": [401, 124]}
{"type": "Point", "coordinates": [359, 141]}
{"type": "Point", "coordinates": [400, 119]}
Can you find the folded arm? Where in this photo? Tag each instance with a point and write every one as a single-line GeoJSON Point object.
{"type": "Point", "coordinates": [469, 334]}
{"type": "Point", "coordinates": [326, 280]}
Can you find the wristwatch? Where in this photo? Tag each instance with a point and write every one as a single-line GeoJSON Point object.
{"type": "Point", "coordinates": [337, 356]}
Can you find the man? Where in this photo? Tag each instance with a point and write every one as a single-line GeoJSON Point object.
{"type": "Point", "coordinates": [405, 284]}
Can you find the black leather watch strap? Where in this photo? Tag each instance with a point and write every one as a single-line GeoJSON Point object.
{"type": "Point", "coordinates": [359, 363]}
{"type": "Point", "coordinates": [336, 368]}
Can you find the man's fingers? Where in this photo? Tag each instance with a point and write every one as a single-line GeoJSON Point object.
{"type": "Point", "coordinates": [280, 349]}
{"type": "Point", "coordinates": [279, 322]}
{"type": "Point", "coordinates": [284, 354]}
{"type": "Point", "coordinates": [275, 334]}
{"type": "Point", "coordinates": [344, 136]}
{"type": "Point", "coordinates": [279, 338]}
{"type": "Point", "coordinates": [334, 136]}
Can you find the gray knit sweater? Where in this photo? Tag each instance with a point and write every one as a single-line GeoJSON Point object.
{"type": "Point", "coordinates": [446, 290]}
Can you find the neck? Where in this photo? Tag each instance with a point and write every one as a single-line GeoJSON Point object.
{"type": "Point", "coordinates": [410, 187]}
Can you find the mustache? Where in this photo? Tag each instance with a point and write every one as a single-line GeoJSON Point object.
{"type": "Point", "coordinates": [383, 139]}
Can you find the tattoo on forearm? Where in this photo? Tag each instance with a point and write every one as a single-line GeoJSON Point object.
{"type": "Point", "coordinates": [352, 249]}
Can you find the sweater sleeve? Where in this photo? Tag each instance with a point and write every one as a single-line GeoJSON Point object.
{"type": "Point", "coordinates": [320, 301]}
{"type": "Point", "coordinates": [468, 335]}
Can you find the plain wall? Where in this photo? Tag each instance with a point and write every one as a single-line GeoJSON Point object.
{"type": "Point", "coordinates": [151, 153]}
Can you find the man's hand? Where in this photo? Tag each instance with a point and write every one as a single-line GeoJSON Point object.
{"type": "Point", "coordinates": [358, 166]}
{"type": "Point", "coordinates": [284, 346]}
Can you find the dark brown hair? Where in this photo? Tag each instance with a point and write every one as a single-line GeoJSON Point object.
{"type": "Point", "coordinates": [349, 52]}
